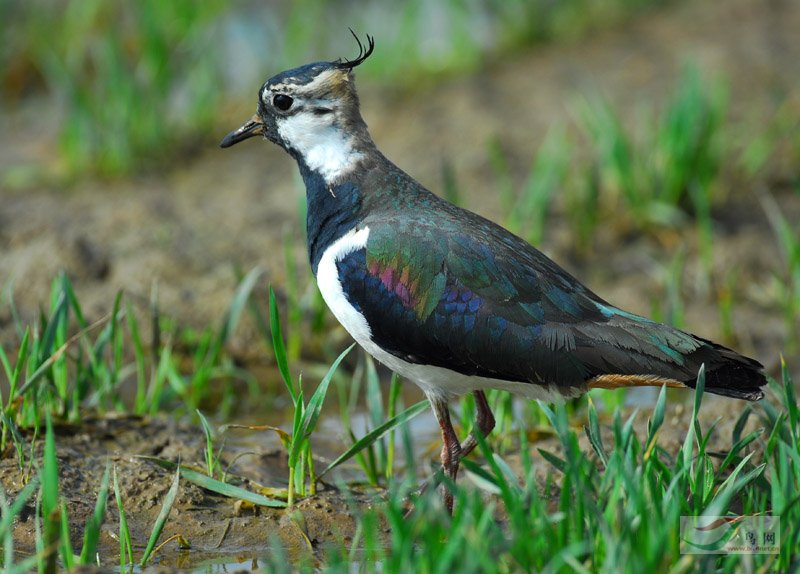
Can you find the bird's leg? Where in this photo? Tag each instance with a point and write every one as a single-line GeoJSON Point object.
{"type": "Point", "coordinates": [451, 448]}
{"type": "Point", "coordinates": [484, 422]}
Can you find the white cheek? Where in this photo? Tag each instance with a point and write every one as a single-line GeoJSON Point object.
{"type": "Point", "coordinates": [324, 148]}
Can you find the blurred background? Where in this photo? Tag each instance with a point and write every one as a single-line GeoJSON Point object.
{"type": "Point", "coordinates": [651, 147]}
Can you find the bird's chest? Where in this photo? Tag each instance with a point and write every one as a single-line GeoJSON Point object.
{"type": "Point", "coordinates": [334, 285]}
{"type": "Point", "coordinates": [333, 289]}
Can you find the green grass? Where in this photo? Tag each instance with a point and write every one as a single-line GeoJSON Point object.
{"type": "Point", "coordinates": [662, 174]}
{"type": "Point", "coordinates": [787, 287]}
{"type": "Point", "coordinates": [668, 169]}
{"type": "Point", "coordinates": [138, 83]}
{"type": "Point", "coordinates": [615, 504]}
{"type": "Point", "coordinates": [9, 513]}
{"type": "Point", "coordinates": [161, 520]}
{"type": "Point", "coordinates": [615, 507]}
{"type": "Point", "coordinates": [306, 415]}
{"type": "Point", "coordinates": [125, 543]}
{"type": "Point", "coordinates": [668, 174]}
{"type": "Point", "coordinates": [53, 372]}
{"type": "Point", "coordinates": [120, 72]}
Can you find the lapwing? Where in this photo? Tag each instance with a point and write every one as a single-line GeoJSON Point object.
{"type": "Point", "coordinates": [446, 298]}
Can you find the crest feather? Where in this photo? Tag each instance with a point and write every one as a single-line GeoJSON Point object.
{"type": "Point", "coordinates": [364, 52]}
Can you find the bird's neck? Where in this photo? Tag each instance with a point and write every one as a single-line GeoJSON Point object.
{"type": "Point", "coordinates": [333, 209]}
{"type": "Point", "coordinates": [331, 147]}
{"type": "Point", "coordinates": [345, 176]}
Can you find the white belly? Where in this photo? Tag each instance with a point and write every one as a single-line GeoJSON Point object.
{"type": "Point", "coordinates": [434, 381]}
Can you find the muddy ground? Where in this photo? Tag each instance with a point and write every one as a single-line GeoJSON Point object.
{"type": "Point", "coordinates": [187, 229]}
{"type": "Point", "coordinates": [224, 536]}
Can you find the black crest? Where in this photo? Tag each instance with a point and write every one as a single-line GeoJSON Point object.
{"type": "Point", "coordinates": [363, 53]}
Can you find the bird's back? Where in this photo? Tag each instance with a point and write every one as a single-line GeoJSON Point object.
{"type": "Point", "coordinates": [442, 286]}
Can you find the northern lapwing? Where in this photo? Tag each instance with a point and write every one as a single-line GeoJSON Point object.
{"type": "Point", "coordinates": [446, 298]}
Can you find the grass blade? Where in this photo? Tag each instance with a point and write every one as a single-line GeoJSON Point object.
{"type": "Point", "coordinates": [656, 421]}
{"type": "Point", "coordinates": [209, 443]}
{"type": "Point", "coordinates": [125, 545]}
{"type": "Point", "coordinates": [58, 316]}
{"type": "Point", "coordinates": [480, 477]}
{"type": "Point", "coordinates": [8, 514]}
{"type": "Point", "coordinates": [91, 533]}
{"type": "Point", "coordinates": [158, 527]}
{"type": "Point", "coordinates": [593, 432]}
{"type": "Point", "coordinates": [556, 461]}
{"type": "Point", "coordinates": [731, 486]}
{"type": "Point", "coordinates": [10, 511]}
{"type": "Point", "coordinates": [240, 299]}
{"type": "Point", "coordinates": [504, 477]}
{"type": "Point", "coordinates": [65, 547]}
{"type": "Point", "coordinates": [22, 359]}
{"type": "Point", "coordinates": [738, 428]}
{"type": "Point", "coordinates": [738, 447]}
{"type": "Point", "coordinates": [376, 434]}
{"type": "Point", "coordinates": [698, 391]}
{"type": "Point", "coordinates": [214, 485]}
{"type": "Point", "coordinates": [314, 407]}
{"type": "Point", "coordinates": [50, 505]}
{"type": "Point", "coordinates": [394, 394]}
{"type": "Point", "coordinates": [279, 346]}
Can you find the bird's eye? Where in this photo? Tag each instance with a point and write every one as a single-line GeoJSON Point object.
{"type": "Point", "coordinates": [282, 102]}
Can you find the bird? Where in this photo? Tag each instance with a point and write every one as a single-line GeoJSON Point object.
{"type": "Point", "coordinates": [446, 298]}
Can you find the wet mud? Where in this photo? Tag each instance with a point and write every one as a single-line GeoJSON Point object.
{"type": "Point", "coordinates": [218, 529]}
{"type": "Point", "coordinates": [222, 532]}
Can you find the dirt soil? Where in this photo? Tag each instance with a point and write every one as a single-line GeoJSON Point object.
{"type": "Point", "coordinates": [221, 533]}
{"type": "Point", "coordinates": [215, 527]}
{"type": "Point", "coordinates": [186, 230]}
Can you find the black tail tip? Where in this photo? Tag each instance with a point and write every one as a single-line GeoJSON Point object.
{"type": "Point", "coordinates": [739, 380]}
{"type": "Point", "coordinates": [756, 395]}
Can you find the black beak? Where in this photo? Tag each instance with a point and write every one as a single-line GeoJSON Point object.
{"type": "Point", "coordinates": [250, 128]}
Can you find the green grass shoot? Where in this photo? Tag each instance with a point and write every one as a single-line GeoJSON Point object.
{"type": "Point", "coordinates": [91, 533]}
{"type": "Point", "coordinates": [305, 418]}
{"type": "Point", "coordinates": [125, 544]}
{"type": "Point", "coordinates": [50, 503]}
{"type": "Point", "coordinates": [161, 520]}
{"type": "Point", "coordinates": [212, 484]}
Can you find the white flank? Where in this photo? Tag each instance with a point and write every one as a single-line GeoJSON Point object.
{"type": "Point", "coordinates": [323, 146]}
{"type": "Point", "coordinates": [331, 288]}
{"type": "Point", "coordinates": [434, 381]}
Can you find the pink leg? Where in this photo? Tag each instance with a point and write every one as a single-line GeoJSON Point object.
{"type": "Point", "coordinates": [484, 422]}
{"type": "Point", "coordinates": [452, 450]}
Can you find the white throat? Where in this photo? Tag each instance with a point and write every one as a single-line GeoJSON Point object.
{"type": "Point", "coordinates": [323, 147]}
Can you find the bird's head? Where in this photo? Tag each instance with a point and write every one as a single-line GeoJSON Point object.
{"type": "Point", "coordinates": [311, 112]}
